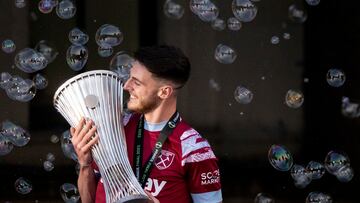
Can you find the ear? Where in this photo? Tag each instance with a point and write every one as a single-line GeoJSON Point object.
{"type": "Point", "coordinates": [165, 91]}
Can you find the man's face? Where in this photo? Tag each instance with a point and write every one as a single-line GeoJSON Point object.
{"type": "Point", "coordinates": [143, 89]}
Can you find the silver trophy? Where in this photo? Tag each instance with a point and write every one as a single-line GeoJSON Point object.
{"type": "Point", "coordinates": [98, 95]}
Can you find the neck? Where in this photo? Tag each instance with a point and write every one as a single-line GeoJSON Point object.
{"type": "Point", "coordinates": [161, 113]}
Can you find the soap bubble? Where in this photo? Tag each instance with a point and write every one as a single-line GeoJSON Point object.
{"type": "Point", "coordinates": [234, 24]}
{"type": "Point", "coordinates": [29, 60]}
{"type": "Point", "coordinates": [5, 145]}
{"type": "Point", "coordinates": [173, 10]}
{"type": "Point", "coordinates": [263, 198]}
{"type": "Point", "coordinates": [78, 37]}
{"type": "Point", "coordinates": [312, 2]}
{"type": "Point", "coordinates": [47, 49]}
{"type": "Point", "coordinates": [69, 193]}
{"type": "Point", "coordinates": [214, 85]}
{"type": "Point", "coordinates": [225, 54]}
{"type": "Point", "coordinates": [301, 176]}
{"type": "Point", "coordinates": [50, 157]}
{"type": "Point", "coordinates": [348, 109]}
{"type": "Point", "coordinates": [48, 165]}
{"type": "Point", "coordinates": [275, 40]}
{"type": "Point", "coordinates": [5, 80]}
{"type": "Point", "coordinates": [23, 186]}
{"type": "Point", "coordinates": [335, 77]}
{"type": "Point", "coordinates": [286, 35]}
{"type": "Point", "coordinates": [218, 24]}
{"type": "Point", "coordinates": [108, 35]}
{"type": "Point", "coordinates": [54, 139]}
{"type": "Point", "coordinates": [316, 169]}
{"type": "Point", "coordinates": [105, 51]}
{"type": "Point", "coordinates": [15, 134]}
{"type": "Point", "coordinates": [20, 89]}
{"type": "Point", "coordinates": [67, 146]}
{"type": "Point", "coordinates": [66, 9]}
{"type": "Point", "coordinates": [318, 197]}
{"type": "Point", "coordinates": [76, 57]}
{"type": "Point", "coordinates": [280, 158]}
{"type": "Point", "coordinates": [208, 13]}
{"type": "Point", "coordinates": [45, 6]}
{"type": "Point", "coordinates": [294, 99]}
{"type": "Point", "coordinates": [40, 81]}
{"type": "Point", "coordinates": [8, 46]}
{"type": "Point", "coordinates": [244, 10]}
{"type": "Point", "coordinates": [121, 64]}
{"type": "Point", "coordinates": [344, 174]}
{"type": "Point", "coordinates": [20, 3]}
{"type": "Point", "coordinates": [335, 160]}
{"type": "Point", "coordinates": [243, 95]}
{"type": "Point", "coordinates": [296, 14]}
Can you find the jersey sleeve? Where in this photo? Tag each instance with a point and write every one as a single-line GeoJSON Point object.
{"type": "Point", "coordinates": [202, 171]}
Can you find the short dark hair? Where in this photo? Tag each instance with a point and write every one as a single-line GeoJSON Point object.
{"type": "Point", "coordinates": [165, 62]}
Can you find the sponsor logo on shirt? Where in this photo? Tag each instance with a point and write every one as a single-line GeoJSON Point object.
{"type": "Point", "coordinates": [154, 186]}
{"type": "Point", "coordinates": [210, 177]}
{"type": "Point", "coordinates": [164, 160]}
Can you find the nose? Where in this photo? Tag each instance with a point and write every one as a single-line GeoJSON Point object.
{"type": "Point", "coordinates": [127, 85]}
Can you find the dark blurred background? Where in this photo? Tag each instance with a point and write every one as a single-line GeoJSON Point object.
{"type": "Point", "coordinates": [241, 135]}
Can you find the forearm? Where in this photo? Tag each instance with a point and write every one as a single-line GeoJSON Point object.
{"type": "Point", "coordinates": [87, 184]}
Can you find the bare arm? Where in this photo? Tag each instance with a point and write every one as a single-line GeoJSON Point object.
{"type": "Point", "coordinates": [83, 138]}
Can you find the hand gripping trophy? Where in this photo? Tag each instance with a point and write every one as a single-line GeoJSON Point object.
{"type": "Point", "coordinates": [98, 95]}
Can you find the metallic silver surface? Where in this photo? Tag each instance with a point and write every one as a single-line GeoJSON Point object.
{"type": "Point", "coordinates": [98, 95]}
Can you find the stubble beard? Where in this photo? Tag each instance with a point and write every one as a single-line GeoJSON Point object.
{"type": "Point", "coordinates": [144, 106]}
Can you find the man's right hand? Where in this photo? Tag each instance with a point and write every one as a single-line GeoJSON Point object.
{"type": "Point", "coordinates": [84, 136]}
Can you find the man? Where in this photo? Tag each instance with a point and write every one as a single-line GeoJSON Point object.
{"type": "Point", "coordinates": [173, 163]}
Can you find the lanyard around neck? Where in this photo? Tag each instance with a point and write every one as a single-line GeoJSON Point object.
{"type": "Point", "coordinates": [142, 174]}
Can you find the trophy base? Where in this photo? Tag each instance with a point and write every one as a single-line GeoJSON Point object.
{"type": "Point", "coordinates": [134, 199]}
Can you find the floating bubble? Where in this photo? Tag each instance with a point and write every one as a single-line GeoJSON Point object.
{"type": "Point", "coordinates": [23, 186]}
{"type": "Point", "coordinates": [318, 197]}
{"type": "Point", "coordinates": [335, 160]}
{"type": "Point", "coordinates": [69, 193]}
{"type": "Point", "coordinates": [76, 57]}
{"type": "Point", "coordinates": [301, 176]}
{"type": "Point", "coordinates": [348, 109]}
{"type": "Point", "coordinates": [197, 5]}
{"type": "Point", "coordinates": [214, 85]}
{"type": "Point", "coordinates": [335, 77]}
{"type": "Point", "coordinates": [66, 9]}
{"type": "Point", "coordinates": [218, 24]}
{"type": "Point", "coordinates": [234, 24]}
{"type": "Point", "coordinates": [294, 99]}
{"type": "Point", "coordinates": [296, 14]}
{"type": "Point", "coordinates": [108, 35]}
{"type": "Point", "coordinates": [78, 37]}
{"type": "Point", "coordinates": [8, 46]}
{"type": "Point", "coordinates": [280, 158]}
{"type": "Point", "coordinates": [15, 134]}
{"type": "Point", "coordinates": [105, 51]}
{"type": "Point", "coordinates": [275, 40]}
{"type": "Point", "coordinates": [345, 174]}
{"type": "Point", "coordinates": [48, 165]}
{"type": "Point", "coordinates": [40, 81]}
{"type": "Point", "coordinates": [20, 89]}
{"type": "Point", "coordinates": [173, 10]}
{"type": "Point", "coordinates": [243, 95]}
{"type": "Point", "coordinates": [316, 169]}
{"type": "Point", "coordinates": [29, 60]}
{"type": "Point", "coordinates": [208, 13]}
{"type": "Point", "coordinates": [20, 3]}
{"type": "Point", "coordinates": [286, 35]}
{"type": "Point", "coordinates": [47, 49]}
{"type": "Point", "coordinates": [224, 54]}
{"type": "Point", "coordinates": [5, 145]}
{"type": "Point", "coordinates": [244, 10]}
{"type": "Point", "coordinates": [313, 2]}
{"type": "Point", "coordinates": [67, 146]}
{"type": "Point", "coordinates": [121, 64]}
{"type": "Point", "coordinates": [263, 198]}
{"type": "Point", "coordinates": [5, 79]}
{"type": "Point", "coordinates": [45, 6]}
{"type": "Point", "coordinates": [50, 157]}
{"type": "Point", "coordinates": [54, 139]}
